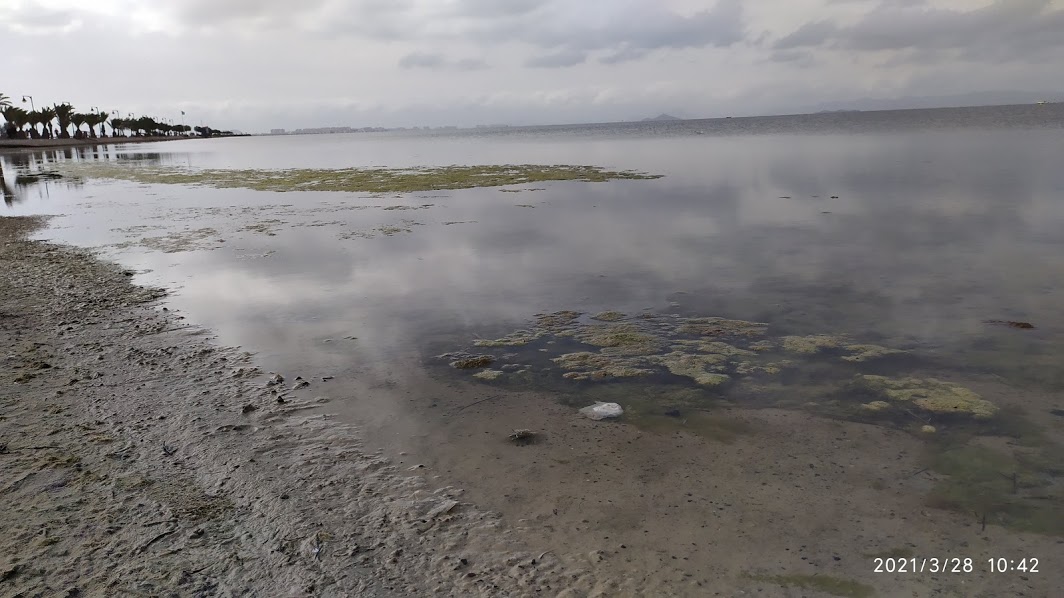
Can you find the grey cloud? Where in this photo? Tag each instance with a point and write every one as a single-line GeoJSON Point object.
{"type": "Point", "coordinates": [260, 12]}
{"type": "Point", "coordinates": [470, 64]}
{"type": "Point", "coordinates": [561, 59]}
{"type": "Point", "coordinates": [1004, 30]}
{"type": "Point", "coordinates": [810, 34]}
{"type": "Point", "coordinates": [624, 55]}
{"type": "Point", "coordinates": [422, 60]}
{"type": "Point", "coordinates": [629, 30]}
{"type": "Point", "coordinates": [620, 29]}
{"type": "Point", "coordinates": [428, 60]}
{"type": "Point", "coordinates": [37, 19]}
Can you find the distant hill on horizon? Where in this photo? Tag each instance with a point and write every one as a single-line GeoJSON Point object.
{"type": "Point", "coordinates": [662, 117]}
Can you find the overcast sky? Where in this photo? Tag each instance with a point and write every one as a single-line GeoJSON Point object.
{"type": "Point", "coordinates": [258, 64]}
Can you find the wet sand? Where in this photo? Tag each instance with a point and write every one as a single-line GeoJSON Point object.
{"type": "Point", "coordinates": [140, 458]}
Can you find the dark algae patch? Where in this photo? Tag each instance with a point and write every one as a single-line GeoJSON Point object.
{"type": "Point", "coordinates": [836, 586]}
{"type": "Point", "coordinates": [369, 180]}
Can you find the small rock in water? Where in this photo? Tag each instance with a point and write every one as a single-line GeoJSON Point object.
{"type": "Point", "coordinates": [600, 411]}
{"type": "Point", "coordinates": [673, 413]}
{"type": "Point", "coordinates": [300, 384]}
{"type": "Point", "coordinates": [248, 408]}
{"type": "Point", "coordinates": [274, 380]}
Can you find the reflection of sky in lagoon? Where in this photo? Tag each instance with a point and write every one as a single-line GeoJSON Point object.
{"type": "Point", "coordinates": [930, 233]}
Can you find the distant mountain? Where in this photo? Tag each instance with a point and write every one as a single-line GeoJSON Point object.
{"type": "Point", "coordinates": [661, 117]}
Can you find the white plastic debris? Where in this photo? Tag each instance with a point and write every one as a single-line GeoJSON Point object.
{"type": "Point", "coordinates": [602, 411]}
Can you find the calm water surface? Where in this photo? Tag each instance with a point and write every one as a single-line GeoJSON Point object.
{"type": "Point", "coordinates": [904, 229]}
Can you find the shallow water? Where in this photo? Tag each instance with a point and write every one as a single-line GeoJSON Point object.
{"type": "Point", "coordinates": [908, 230]}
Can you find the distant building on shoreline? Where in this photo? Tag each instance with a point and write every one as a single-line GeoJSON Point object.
{"type": "Point", "coordinates": [277, 132]}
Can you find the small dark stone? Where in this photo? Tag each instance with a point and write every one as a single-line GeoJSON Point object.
{"type": "Point", "coordinates": [248, 408]}
{"type": "Point", "coordinates": [674, 413]}
{"type": "Point", "coordinates": [1058, 412]}
{"type": "Point", "coordinates": [284, 497]}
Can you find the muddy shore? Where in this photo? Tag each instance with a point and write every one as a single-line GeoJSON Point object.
{"type": "Point", "coordinates": [137, 458]}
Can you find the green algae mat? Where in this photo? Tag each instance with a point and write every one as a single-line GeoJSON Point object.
{"type": "Point", "coordinates": [666, 368]}
{"type": "Point", "coordinates": [369, 180]}
{"type": "Point", "coordinates": [850, 378]}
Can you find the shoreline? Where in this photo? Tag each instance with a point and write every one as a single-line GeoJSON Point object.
{"type": "Point", "coordinates": [139, 457]}
{"type": "Point", "coordinates": [60, 143]}
{"type": "Point", "coordinates": [144, 457]}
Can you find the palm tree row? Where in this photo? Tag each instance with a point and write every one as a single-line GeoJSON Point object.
{"type": "Point", "coordinates": [38, 124]}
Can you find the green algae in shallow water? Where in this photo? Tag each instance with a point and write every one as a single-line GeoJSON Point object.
{"type": "Point", "coordinates": [472, 363]}
{"type": "Point", "coordinates": [836, 586]}
{"type": "Point", "coordinates": [930, 395]}
{"type": "Point", "coordinates": [810, 344]}
{"type": "Point", "coordinates": [594, 366]}
{"type": "Point", "coordinates": [519, 338]}
{"type": "Point", "coordinates": [566, 351]}
{"type": "Point", "coordinates": [722, 327]}
{"type": "Point", "coordinates": [372, 180]}
{"type": "Point", "coordinates": [868, 352]}
{"type": "Point", "coordinates": [1018, 493]}
{"type": "Point", "coordinates": [696, 367]}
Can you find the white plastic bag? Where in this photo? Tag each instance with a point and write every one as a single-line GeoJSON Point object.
{"type": "Point", "coordinates": [602, 411]}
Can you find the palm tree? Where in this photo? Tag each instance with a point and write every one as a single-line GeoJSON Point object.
{"type": "Point", "coordinates": [5, 102]}
{"type": "Point", "coordinates": [99, 120]}
{"type": "Point", "coordinates": [47, 115]}
{"type": "Point", "coordinates": [63, 112]}
{"type": "Point", "coordinates": [32, 118]}
{"type": "Point", "coordinates": [117, 125]}
{"type": "Point", "coordinates": [17, 117]}
{"type": "Point", "coordinates": [78, 119]}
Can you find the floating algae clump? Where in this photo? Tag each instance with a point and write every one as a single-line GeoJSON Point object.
{"type": "Point", "coordinates": [372, 180]}
{"type": "Point", "coordinates": [625, 339]}
{"type": "Point", "coordinates": [732, 360]}
{"type": "Point", "coordinates": [489, 374]}
{"type": "Point", "coordinates": [722, 327]}
{"type": "Point", "coordinates": [930, 395]}
{"type": "Point", "coordinates": [867, 352]}
{"type": "Point", "coordinates": [695, 367]}
{"type": "Point", "coordinates": [557, 320]}
{"type": "Point", "coordinates": [472, 363]}
{"type": "Point", "coordinates": [809, 344]}
{"type": "Point", "coordinates": [518, 338]}
{"type": "Point", "coordinates": [714, 347]}
{"type": "Point", "coordinates": [595, 366]}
